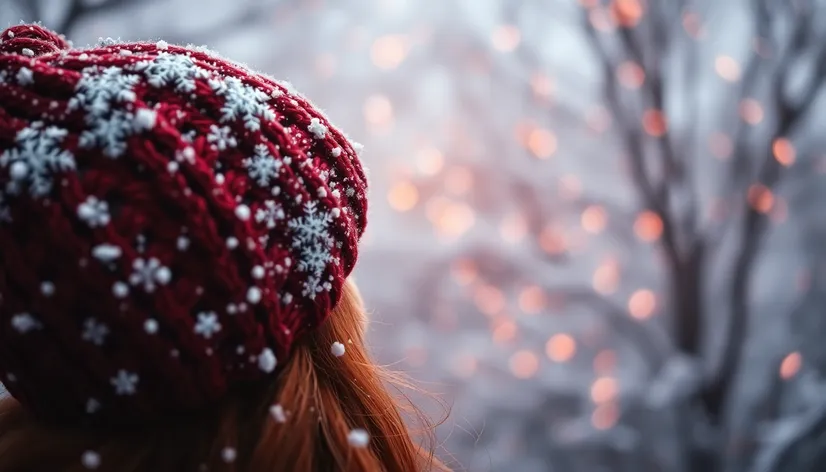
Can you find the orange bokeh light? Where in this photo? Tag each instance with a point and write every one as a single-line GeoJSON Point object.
{"type": "Point", "coordinates": [604, 389]}
{"type": "Point", "coordinates": [654, 122]}
{"type": "Point", "coordinates": [532, 299]}
{"type": "Point", "coordinates": [504, 332]}
{"type": "Point", "coordinates": [594, 219]}
{"type": "Point", "coordinates": [513, 228]}
{"type": "Point", "coordinates": [458, 180]}
{"type": "Point", "coordinates": [605, 361]}
{"type": "Point", "coordinates": [751, 111]}
{"type": "Point", "coordinates": [648, 226]}
{"type": "Point", "coordinates": [489, 299]}
{"type": "Point", "coordinates": [606, 277]}
{"type": "Point", "coordinates": [630, 74]}
{"type": "Point", "coordinates": [605, 416]}
{"type": "Point", "coordinates": [542, 143]}
{"type": "Point", "coordinates": [403, 196]}
{"type": "Point", "coordinates": [378, 110]}
{"type": "Point", "coordinates": [791, 365]}
{"type": "Point", "coordinates": [524, 364]}
{"type": "Point", "coordinates": [642, 304]}
{"type": "Point", "coordinates": [570, 187]}
{"type": "Point", "coordinates": [784, 151]}
{"type": "Point", "coordinates": [627, 13]}
{"type": "Point", "coordinates": [388, 51]}
{"type": "Point", "coordinates": [727, 68]}
{"type": "Point", "coordinates": [760, 198]}
{"type": "Point", "coordinates": [430, 161]}
{"type": "Point", "coordinates": [552, 240]}
{"type": "Point", "coordinates": [542, 85]}
{"type": "Point", "coordinates": [506, 38]}
{"type": "Point", "coordinates": [560, 347]}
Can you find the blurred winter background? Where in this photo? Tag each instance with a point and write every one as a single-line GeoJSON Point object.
{"type": "Point", "coordinates": [597, 226]}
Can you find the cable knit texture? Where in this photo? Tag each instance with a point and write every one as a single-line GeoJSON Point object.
{"type": "Point", "coordinates": [170, 222]}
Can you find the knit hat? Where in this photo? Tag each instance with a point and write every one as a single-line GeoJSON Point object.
{"type": "Point", "coordinates": [170, 223]}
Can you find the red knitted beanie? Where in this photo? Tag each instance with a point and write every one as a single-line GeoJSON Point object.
{"type": "Point", "coordinates": [170, 222]}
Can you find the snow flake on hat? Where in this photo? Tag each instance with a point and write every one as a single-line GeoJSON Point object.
{"type": "Point", "coordinates": [207, 324]}
{"type": "Point", "coordinates": [25, 322]}
{"type": "Point", "coordinates": [318, 128]}
{"type": "Point", "coordinates": [311, 235]}
{"type": "Point", "coordinates": [149, 273]}
{"type": "Point", "coordinates": [262, 167]}
{"type": "Point", "coordinates": [94, 212]}
{"type": "Point", "coordinates": [25, 76]}
{"type": "Point", "coordinates": [36, 157]}
{"type": "Point", "coordinates": [267, 361]}
{"type": "Point", "coordinates": [108, 127]}
{"type": "Point", "coordinates": [94, 331]}
{"type": "Point", "coordinates": [221, 137]}
{"type": "Point", "coordinates": [270, 213]}
{"type": "Point", "coordinates": [242, 101]}
{"type": "Point", "coordinates": [125, 382]}
{"type": "Point", "coordinates": [171, 70]}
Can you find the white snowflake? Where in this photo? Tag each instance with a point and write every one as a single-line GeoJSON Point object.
{"type": "Point", "coordinates": [221, 137]}
{"type": "Point", "coordinates": [269, 214]}
{"type": "Point", "coordinates": [94, 332]}
{"type": "Point", "coordinates": [149, 273]}
{"type": "Point", "coordinates": [35, 158]}
{"type": "Point", "coordinates": [125, 383]}
{"type": "Point", "coordinates": [311, 236]}
{"type": "Point", "coordinates": [25, 76]}
{"type": "Point", "coordinates": [207, 324]}
{"type": "Point", "coordinates": [96, 93]}
{"type": "Point", "coordinates": [263, 166]}
{"type": "Point", "coordinates": [242, 101]}
{"type": "Point", "coordinates": [24, 322]}
{"type": "Point", "coordinates": [172, 70]}
{"type": "Point", "coordinates": [317, 128]}
{"type": "Point", "coordinates": [99, 88]}
{"type": "Point", "coordinates": [94, 212]}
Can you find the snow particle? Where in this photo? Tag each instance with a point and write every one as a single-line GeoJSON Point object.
{"type": "Point", "coordinates": [149, 272]}
{"type": "Point", "coordinates": [317, 128]}
{"type": "Point", "coordinates": [358, 438]}
{"type": "Point", "coordinates": [24, 322]}
{"type": "Point", "coordinates": [242, 212]}
{"type": "Point", "coordinates": [232, 242]}
{"type": "Point", "coordinates": [150, 326]}
{"type": "Point", "coordinates": [47, 288]}
{"type": "Point", "coordinates": [182, 243]}
{"type": "Point", "coordinates": [336, 151]}
{"type": "Point", "coordinates": [254, 295]}
{"type": "Point", "coordinates": [228, 454]}
{"type": "Point", "coordinates": [267, 361]}
{"type": "Point", "coordinates": [162, 45]}
{"type": "Point", "coordinates": [258, 272]}
{"type": "Point", "coordinates": [120, 289]}
{"type": "Point", "coordinates": [106, 252]}
{"type": "Point", "coordinates": [145, 119]}
{"type": "Point", "coordinates": [337, 349]}
{"type": "Point", "coordinates": [278, 414]}
{"type": "Point", "coordinates": [90, 460]}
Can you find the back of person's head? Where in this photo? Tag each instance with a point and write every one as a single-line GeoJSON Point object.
{"type": "Point", "coordinates": [176, 237]}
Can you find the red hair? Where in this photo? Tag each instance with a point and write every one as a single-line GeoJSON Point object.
{"type": "Point", "coordinates": [323, 397]}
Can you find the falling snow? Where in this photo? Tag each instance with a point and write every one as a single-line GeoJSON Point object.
{"type": "Point", "coordinates": [35, 159]}
{"type": "Point", "coordinates": [24, 322]}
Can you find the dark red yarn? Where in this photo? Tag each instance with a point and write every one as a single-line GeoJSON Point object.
{"type": "Point", "coordinates": [74, 345]}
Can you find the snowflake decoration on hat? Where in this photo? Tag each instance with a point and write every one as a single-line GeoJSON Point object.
{"type": "Point", "coordinates": [262, 167]}
{"type": "Point", "coordinates": [207, 324]}
{"type": "Point", "coordinates": [36, 158]}
{"type": "Point", "coordinates": [242, 101]}
{"type": "Point", "coordinates": [149, 273]}
{"type": "Point", "coordinates": [174, 70]}
{"type": "Point", "coordinates": [94, 331]}
{"type": "Point", "coordinates": [311, 235]}
{"type": "Point", "coordinates": [125, 382]}
{"type": "Point", "coordinates": [269, 214]}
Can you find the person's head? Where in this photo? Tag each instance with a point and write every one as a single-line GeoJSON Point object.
{"type": "Point", "coordinates": [176, 237]}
